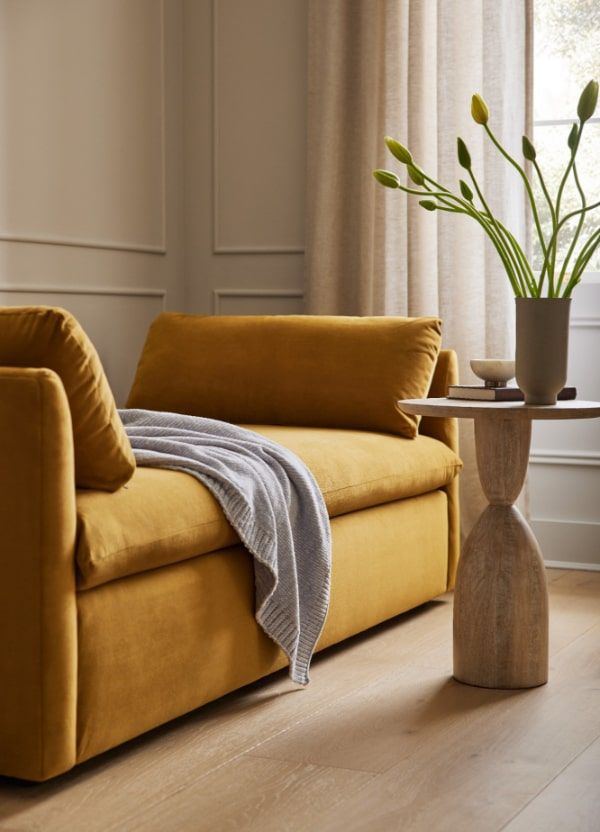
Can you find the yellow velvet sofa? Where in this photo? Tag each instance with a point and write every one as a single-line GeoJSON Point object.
{"type": "Point", "coordinates": [129, 601]}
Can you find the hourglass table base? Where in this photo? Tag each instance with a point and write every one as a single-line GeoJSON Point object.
{"type": "Point", "coordinates": [501, 598]}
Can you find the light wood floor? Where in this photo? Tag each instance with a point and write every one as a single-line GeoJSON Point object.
{"type": "Point", "coordinates": [382, 739]}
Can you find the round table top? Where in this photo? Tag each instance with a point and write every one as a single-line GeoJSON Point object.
{"type": "Point", "coordinates": [469, 409]}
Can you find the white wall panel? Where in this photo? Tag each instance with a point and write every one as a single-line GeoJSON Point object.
{"type": "Point", "coordinates": [568, 544]}
{"type": "Point", "coordinates": [244, 149]}
{"type": "Point", "coordinates": [259, 91]}
{"type": "Point", "coordinates": [257, 302]}
{"type": "Point", "coordinates": [82, 115]}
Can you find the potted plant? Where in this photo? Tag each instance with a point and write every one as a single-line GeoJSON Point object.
{"type": "Point", "coordinates": [542, 300]}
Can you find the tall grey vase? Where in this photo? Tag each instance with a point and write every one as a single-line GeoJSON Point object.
{"type": "Point", "coordinates": [542, 347]}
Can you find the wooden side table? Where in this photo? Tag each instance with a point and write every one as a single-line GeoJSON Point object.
{"type": "Point", "coordinates": [501, 598]}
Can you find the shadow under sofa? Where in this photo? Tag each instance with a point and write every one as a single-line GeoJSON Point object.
{"type": "Point", "coordinates": [129, 608]}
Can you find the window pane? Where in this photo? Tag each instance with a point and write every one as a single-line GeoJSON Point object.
{"type": "Point", "coordinates": [567, 50]}
{"type": "Point", "coordinates": [552, 157]}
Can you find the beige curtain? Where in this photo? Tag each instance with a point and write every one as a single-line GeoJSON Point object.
{"type": "Point", "coordinates": [408, 68]}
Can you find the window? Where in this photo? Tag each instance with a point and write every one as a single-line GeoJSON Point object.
{"type": "Point", "coordinates": [567, 56]}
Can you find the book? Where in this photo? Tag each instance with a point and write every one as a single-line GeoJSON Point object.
{"type": "Point", "coordinates": [478, 392]}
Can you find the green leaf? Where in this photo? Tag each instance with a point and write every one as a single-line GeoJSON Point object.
{"type": "Point", "coordinates": [587, 101]}
{"type": "Point", "coordinates": [479, 109]}
{"type": "Point", "coordinates": [387, 178]}
{"type": "Point", "coordinates": [428, 204]}
{"type": "Point", "coordinates": [464, 157]}
{"type": "Point", "coordinates": [465, 190]}
{"type": "Point", "coordinates": [528, 150]}
{"type": "Point", "coordinates": [398, 150]}
{"type": "Point", "coordinates": [416, 174]}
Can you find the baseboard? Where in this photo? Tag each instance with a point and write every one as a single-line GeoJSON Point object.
{"type": "Point", "coordinates": [569, 544]}
{"type": "Point", "coordinates": [566, 564]}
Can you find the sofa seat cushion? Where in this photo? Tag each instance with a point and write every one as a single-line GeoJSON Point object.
{"type": "Point", "coordinates": [358, 469]}
{"type": "Point", "coordinates": [163, 517]}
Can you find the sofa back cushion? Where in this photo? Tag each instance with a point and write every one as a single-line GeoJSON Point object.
{"type": "Point", "coordinates": [41, 336]}
{"type": "Point", "coordinates": [317, 371]}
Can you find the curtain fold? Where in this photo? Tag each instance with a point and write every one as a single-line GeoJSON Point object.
{"type": "Point", "coordinates": [408, 68]}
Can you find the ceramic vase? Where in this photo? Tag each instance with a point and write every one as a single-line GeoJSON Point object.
{"type": "Point", "coordinates": [542, 348]}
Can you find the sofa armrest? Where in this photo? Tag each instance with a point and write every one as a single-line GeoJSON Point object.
{"type": "Point", "coordinates": [38, 634]}
{"type": "Point", "coordinates": [446, 430]}
{"type": "Point", "coordinates": [445, 373]}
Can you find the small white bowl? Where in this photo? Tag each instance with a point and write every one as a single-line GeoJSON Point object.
{"type": "Point", "coordinates": [495, 372]}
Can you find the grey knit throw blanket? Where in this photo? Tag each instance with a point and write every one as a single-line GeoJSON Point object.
{"type": "Point", "coordinates": [274, 504]}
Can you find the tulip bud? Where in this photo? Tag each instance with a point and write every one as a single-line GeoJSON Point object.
{"type": "Point", "coordinates": [428, 204]}
{"type": "Point", "coordinates": [398, 150]}
{"type": "Point", "coordinates": [587, 101]}
{"type": "Point", "coordinates": [416, 174]}
{"type": "Point", "coordinates": [573, 136]}
{"type": "Point", "coordinates": [528, 150]}
{"type": "Point", "coordinates": [479, 109]}
{"type": "Point", "coordinates": [387, 178]}
{"type": "Point", "coordinates": [465, 190]}
{"type": "Point", "coordinates": [464, 157]}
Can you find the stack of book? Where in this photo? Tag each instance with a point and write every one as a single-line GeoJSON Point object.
{"type": "Point", "coordinates": [479, 392]}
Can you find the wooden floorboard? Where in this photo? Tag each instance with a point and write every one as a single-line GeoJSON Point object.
{"type": "Point", "coordinates": [570, 801]}
{"type": "Point", "coordinates": [382, 739]}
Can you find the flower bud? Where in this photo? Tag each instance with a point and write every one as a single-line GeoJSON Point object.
{"type": "Point", "coordinates": [465, 190]}
{"type": "Point", "coordinates": [479, 109]}
{"type": "Point", "coordinates": [428, 204]}
{"type": "Point", "coordinates": [387, 178]}
{"type": "Point", "coordinates": [464, 157]}
{"type": "Point", "coordinates": [398, 150]}
{"type": "Point", "coordinates": [573, 136]}
{"type": "Point", "coordinates": [416, 174]}
{"type": "Point", "coordinates": [587, 101]}
{"type": "Point", "coordinates": [528, 150]}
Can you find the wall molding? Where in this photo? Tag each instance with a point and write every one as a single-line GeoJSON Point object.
{"type": "Point", "coordinates": [217, 248]}
{"type": "Point", "coordinates": [117, 245]}
{"type": "Point", "coordinates": [218, 294]}
{"type": "Point", "coordinates": [131, 292]}
{"type": "Point", "coordinates": [76, 242]}
{"type": "Point", "coordinates": [589, 322]}
{"type": "Point", "coordinates": [548, 457]}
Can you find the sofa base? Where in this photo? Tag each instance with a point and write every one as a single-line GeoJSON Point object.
{"type": "Point", "coordinates": [161, 643]}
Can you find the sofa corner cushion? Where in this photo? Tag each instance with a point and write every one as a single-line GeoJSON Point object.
{"type": "Point", "coordinates": [50, 337]}
{"type": "Point", "coordinates": [318, 371]}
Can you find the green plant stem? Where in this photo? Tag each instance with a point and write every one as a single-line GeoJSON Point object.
{"type": "Point", "coordinates": [494, 222]}
{"type": "Point", "coordinates": [525, 265]}
{"type": "Point", "coordinates": [468, 209]}
{"type": "Point", "coordinates": [585, 255]}
{"type": "Point", "coordinates": [436, 184]}
{"type": "Point", "coordinates": [502, 246]}
{"type": "Point", "coordinates": [552, 251]}
{"type": "Point", "coordinates": [563, 271]}
{"type": "Point", "coordinates": [559, 225]}
{"type": "Point", "coordinates": [526, 182]}
{"type": "Point", "coordinates": [550, 206]}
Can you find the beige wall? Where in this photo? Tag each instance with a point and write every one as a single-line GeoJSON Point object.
{"type": "Point", "coordinates": [244, 101]}
{"type": "Point", "coordinates": [151, 156]}
{"type": "Point", "coordinates": [90, 165]}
